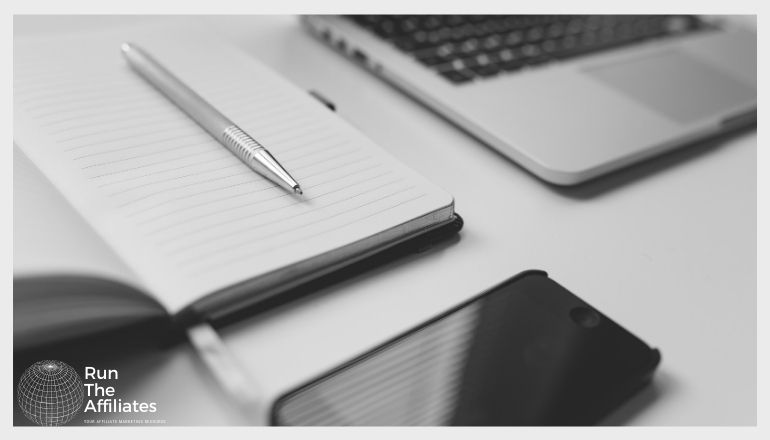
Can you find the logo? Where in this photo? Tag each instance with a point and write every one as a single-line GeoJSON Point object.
{"type": "Point", "coordinates": [50, 393]}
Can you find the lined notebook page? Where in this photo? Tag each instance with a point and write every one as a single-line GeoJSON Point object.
{"type": "Point", "coordinates": [67, 246]}
{"type": "Point", "coordinates": [183, 212]}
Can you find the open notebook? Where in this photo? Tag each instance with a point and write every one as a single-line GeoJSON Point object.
{"type": "Point", "coordinates": [156, 204]}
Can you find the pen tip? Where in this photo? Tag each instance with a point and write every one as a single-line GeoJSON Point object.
{"type": "Point", "coordinates": [297, 190]}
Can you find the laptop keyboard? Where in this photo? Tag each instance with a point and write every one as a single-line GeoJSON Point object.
{"type": "Point", "coordinates": [462, 48]}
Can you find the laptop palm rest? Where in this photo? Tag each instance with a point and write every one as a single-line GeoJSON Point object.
{"type": "Point", "coordinates": [675, 85]}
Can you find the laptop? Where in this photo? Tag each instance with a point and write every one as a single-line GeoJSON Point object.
{"type": "Point", "coordinates": [569, 98]}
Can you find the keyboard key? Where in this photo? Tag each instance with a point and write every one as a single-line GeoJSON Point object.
{"type": "Point", "coordinates": [514, 39]}
{"type": "Point", "coordinates": [458, 76]}
{"type": "Point", "coordinates": [492, 42]}
{"type": "Point", "coordinates": [437, 55]}
{"type": "Point", "coordinates": [535, 34]}
{"type": "Point", "coordinates": [470, 46]}
{"type": "Point", "coordinates": [513, 65]}
{"type": "Point", "coordinates": [486, 70]}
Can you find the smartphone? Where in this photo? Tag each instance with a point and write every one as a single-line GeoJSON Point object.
{"type": "Point", "coordinates": [526, 352]}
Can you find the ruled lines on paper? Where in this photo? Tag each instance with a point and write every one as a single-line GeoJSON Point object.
{"type": "Point", "coordinates": [183, 194]}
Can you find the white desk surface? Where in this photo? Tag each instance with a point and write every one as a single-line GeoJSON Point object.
{"type": "Point", "coordinates": [668, 249]}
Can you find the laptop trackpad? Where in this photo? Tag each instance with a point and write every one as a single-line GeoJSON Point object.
{"type": "Point", "coordinates": [676, 85]}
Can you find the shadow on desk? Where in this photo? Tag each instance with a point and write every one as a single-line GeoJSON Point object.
{"type": "Point", "coordinates": [646, 397]}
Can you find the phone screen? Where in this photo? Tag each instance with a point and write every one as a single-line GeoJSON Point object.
{"type": "Point", "coordinates": [527, 352]}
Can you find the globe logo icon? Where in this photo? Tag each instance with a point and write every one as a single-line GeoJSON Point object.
{"type": "Point", "coordinates": [50, 393]}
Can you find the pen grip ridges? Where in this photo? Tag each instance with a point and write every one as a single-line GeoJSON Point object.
{"type": "Point", "coordinates": [240, 143]}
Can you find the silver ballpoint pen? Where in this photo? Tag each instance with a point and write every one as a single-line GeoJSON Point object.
{"type": "Point", "coordinates": [243, 146]}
